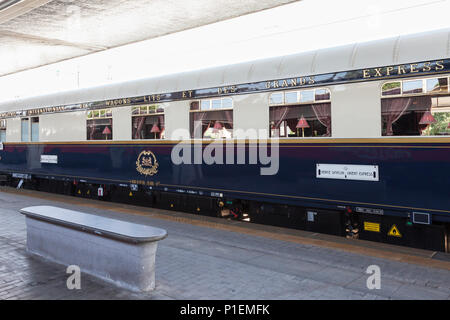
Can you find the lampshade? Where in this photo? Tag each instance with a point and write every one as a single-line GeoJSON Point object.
{"type": "Point", "coordinates": [106, 130]}
{"type": "Point", "coordinates": [448, 126]}
{"type": "Point", "coordinates": [155, 129]}
{"type": "Point", "coordinates": [302, 123]}
{"type": "Point", "coordinates": [427, 118]}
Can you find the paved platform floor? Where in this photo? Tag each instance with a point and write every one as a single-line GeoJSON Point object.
{"type": "Point", "coordinates": [200, 262]}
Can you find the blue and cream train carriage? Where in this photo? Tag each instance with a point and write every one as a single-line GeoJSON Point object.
{"type": "Point", "coordinates": [360, 135]}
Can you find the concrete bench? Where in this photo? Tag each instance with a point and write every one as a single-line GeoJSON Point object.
{"type": "Point", "coordinates": [119, 252]}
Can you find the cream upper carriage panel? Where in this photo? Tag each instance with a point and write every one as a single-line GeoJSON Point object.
{"type": "Point", "coordinates": [249, 110]}
{"type": "Point", "coordinates": [424, 46]}
{"type": "Point", "coordinates": [236, 73]}
{"type": "Point", "coordinates": [332, 60]}
{"type": "Point", "coordinates": [403, 49]}
{"type": "Point", "coordinates": [206, 78]}
{"type": "Point", "coordinates": [64, 126]}
{"type": "Point", "coordinates": [121, 115]}
{"type": "Point", "coordinates": [83, 95]}
{"type": "Point", "coordinates": [142, 87]}
{"type": "Point", "coordinates": [297, 65]}
{"type": "Point", "coordinates": [353, 106]}
{"type": "Point", "coordinates": [374, 54]}
{"type": "Point", "coordinates": [266, 69]}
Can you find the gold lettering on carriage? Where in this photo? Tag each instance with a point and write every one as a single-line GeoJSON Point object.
{"type": "Point", "coordinates": [118, 102]}
{"type": "Point", "coordinates": [146, 163]}
{"type": "Point", "coordinates": [428, 66]}
{"type": "Point", "coordinates": [294, 82]}
{"type": "Point", "coordinates": [226, 90]}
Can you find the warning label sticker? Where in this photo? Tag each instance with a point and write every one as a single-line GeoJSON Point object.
{"type": "Point", "coordinates": [393, 232]}
{"type": "Point", "coordinates": [371, 226]}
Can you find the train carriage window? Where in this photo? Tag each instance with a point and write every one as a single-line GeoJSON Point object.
{"type": "Point", "coordinates": [99, 124]}
{"type": "Point", "coordinates": [195, 105]}
{"type": "Point", "coordinates": [227, 103]}
{"type": "Point", "coordinates": [216, 104]}
{"type": "Point", "coordinates": [307, 113]}
{"type": "Point", "coordinates": [415, 112]}
{"type": "Point", "coordinates": [25, 130]}
{"type": "Point", "coordinates": [148, 122]}
{"type": "Point", "coordinates": [413, 86]}
{"type": "Point", "coordinates": [204, 105]}
{"type": "Point", "coordinates": [307, 96]}
{"type": "Point", "coordinates": [2, 130]}
{"type": "Point", "coordinates": [277, 98]}
{"type": "Point", "coordinates": [322, 94]}
{"type": "Point", "coordinates": [35, 129]}
{"type": "Point", "coordinates": [291, 97]}
{"type": "Point", "coordinates": [212, 118]}
{"type": "Point", "coordinates": [391, 88]}
{"type": "Point", "coordinates": [437, 85]}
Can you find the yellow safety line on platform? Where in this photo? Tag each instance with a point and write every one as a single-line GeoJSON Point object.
{"type": "Point", "coordinates": [150, 212]}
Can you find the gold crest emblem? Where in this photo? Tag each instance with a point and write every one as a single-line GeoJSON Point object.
{"type": "Point", "coordinates": [146, 163]}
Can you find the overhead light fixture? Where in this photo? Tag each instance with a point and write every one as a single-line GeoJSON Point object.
{"type": "Point", "coordinates": [5, 4]}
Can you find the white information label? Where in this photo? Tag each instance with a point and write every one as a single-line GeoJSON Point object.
{"type": "Point", "coordinates": [21, 175]}
{"type": "Point", "coordinates": [1, 145]}
{"type": "Point", "coordinates": [45, 158]}
{"type": "Point", "coordinates": [347, 172]}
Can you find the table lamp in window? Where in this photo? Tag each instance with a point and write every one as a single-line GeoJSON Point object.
{"type": "Point", "coordinates": [106, 131]}
{"type": "Point", "coordinates": [302, 123]}
{"type": "Point", "coordinates": [426, 120]}
{"type": "Point", "coordinates": [155, 129]}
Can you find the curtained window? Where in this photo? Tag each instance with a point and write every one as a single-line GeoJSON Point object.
{"type": "Point", "coordinates": [308, 120]}
{"type": "Point", "coordinates": [415, 115]}
{"type": "Point", "coordinates": [402, 116]}
{"type": "Point", "coordinates": [148, 127]}
{"type": "Point", "coordinates": [99, 129]}
{"type": "Point", "coordinates": [148, 122]}
{"type": "Point", "coordinates": [391, 111]}
{"type": "Point", "coordinates": [416, 107]}
{"type": "Point", "coordinates": [300, 113]}
{"type": "Point", "coordinates": [212, 118]}
{"type": "Point", "coordinates": [99, 124]}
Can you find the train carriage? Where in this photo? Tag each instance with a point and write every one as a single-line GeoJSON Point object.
{"type": "Point", "coordinates": [352, 141]}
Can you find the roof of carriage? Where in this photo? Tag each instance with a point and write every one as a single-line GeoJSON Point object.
{"type": "Point", "coordinates": [390, 51]}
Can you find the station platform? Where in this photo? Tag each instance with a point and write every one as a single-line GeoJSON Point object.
{"type": "Point", "coordinates": [212, 258]}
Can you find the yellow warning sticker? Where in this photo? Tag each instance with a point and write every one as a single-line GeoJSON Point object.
{"type": "Point", "coordinates": [130, 194]}
{"type": "Point", "coordinates": [371, 226]}
{"type": "Point", "coordinates": [393, 232]}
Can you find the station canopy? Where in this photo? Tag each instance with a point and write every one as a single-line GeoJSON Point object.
{"type": "Point", "coordinates": [39, 32]}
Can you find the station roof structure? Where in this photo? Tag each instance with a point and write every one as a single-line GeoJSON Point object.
{"type": "Point", "coordinates": [39, 32]}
